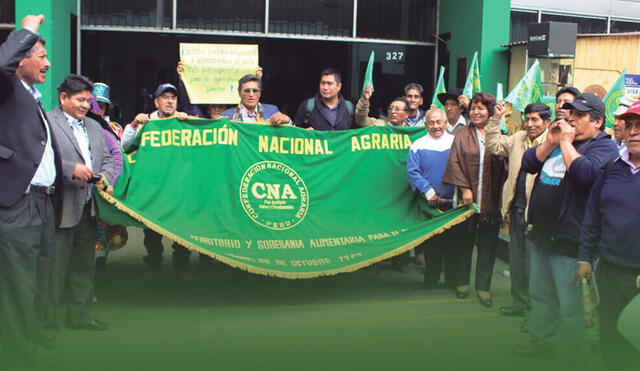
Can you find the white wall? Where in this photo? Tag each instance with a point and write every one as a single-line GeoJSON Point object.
{"type": "Point", "coordinates": [628, 9]}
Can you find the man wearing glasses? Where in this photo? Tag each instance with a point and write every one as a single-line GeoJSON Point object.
{"type": "Point", "coordinates": [250, 109]}
{"type": "Point", "coordinates": [398, 111]}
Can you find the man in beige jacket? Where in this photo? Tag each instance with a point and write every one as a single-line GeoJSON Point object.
{"type": "Point", "coordinates": [516, 193]}
{"type": "Point", "coordinates": [398, 111]}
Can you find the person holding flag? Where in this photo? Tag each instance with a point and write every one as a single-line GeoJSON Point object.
{"type": "Point", "coordinates": [455, 105]}
{"type": "Point", "coordinates": [516, 194]}
{"type": "Point", "coordinates": [479, 175]}
{"type": "Point", "coordinates": [397, 116]}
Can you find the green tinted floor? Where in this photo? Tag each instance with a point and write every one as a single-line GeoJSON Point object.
{"type": "Point", "coordinates": [373, 319]}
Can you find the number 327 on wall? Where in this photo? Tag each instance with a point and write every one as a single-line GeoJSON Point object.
{"type": "Point", "coordinates": [394, 56]}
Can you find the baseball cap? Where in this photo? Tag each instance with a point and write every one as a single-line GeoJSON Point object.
{"type": "Point", "coordinates": [586, 102]}
{"type": "Point", "coordinates": [634, 110]}
{"type": "Point", "coordinates": [164, 87]}
{"type": "Point", "coordinates": [625, 102]}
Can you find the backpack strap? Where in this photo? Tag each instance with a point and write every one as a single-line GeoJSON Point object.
{"type": "Point", "coordinates": [311, 103]}
{"type": "Point", "coordinates": [349, 106]}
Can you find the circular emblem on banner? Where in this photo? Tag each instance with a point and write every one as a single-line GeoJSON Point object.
{"type": "Point", "coordinates": [274, 195]}
{"type": "Point", "coordinates": [612, 103]}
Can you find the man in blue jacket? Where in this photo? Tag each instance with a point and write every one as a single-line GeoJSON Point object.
{"type": "Point", "coordinates": [567, 164]}
{"type": "Point", "coordinates": [250, 109]}
{"type": "Point", "coordinates": [610, 225]}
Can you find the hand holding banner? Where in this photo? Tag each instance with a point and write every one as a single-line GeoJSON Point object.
{"type": "Point", "coordinates": [211, 71]}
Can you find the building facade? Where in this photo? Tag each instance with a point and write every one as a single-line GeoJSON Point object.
{"type": "Point", "coordinates": [133, 45]}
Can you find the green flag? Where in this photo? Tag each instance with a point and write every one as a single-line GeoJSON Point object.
{"type": "Point", "coordinates": [279, 201]}
{"type": "Point", "coordinates": [472, 85]}
{"type": "Point", "coordinates": [368, 74]}
{"type": "Point", "coordinates": [612, 99]}
{"type": "Point", "coordinates": [528, 90]}
{"type": "Point", "coordinates": [550, 101]}
{"type": "Point", "coordinates": [500, 97]}
{"type": "Point", "coordinates": [440, 88]}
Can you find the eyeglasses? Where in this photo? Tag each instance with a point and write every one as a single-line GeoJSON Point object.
{"type": "Point", "coordinates": [413, 96]}
{"type": "Point", "coordinates": [247, 91]}
{"type": "Point", "coordinates": [395, 109]}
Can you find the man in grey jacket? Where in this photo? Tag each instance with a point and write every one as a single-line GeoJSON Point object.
{"type": "Point", "coordinates": [85, 160]}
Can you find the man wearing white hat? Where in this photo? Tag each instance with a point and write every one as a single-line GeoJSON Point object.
{"type": "Point", "coordinates": [618, 125]}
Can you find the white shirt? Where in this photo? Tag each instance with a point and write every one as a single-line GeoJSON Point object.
{"type": "Point", "coordinates": [249, 116]}
{"type": "Point", "coordinates": [82, 137]}
{"type": "Point", "coordinates": [624, 156]}
{"type": "Point", "coordinates": [480, 168]}
{"type": "Point", "coordinates": [461, 121]}
{"type": "Point", "coordinates": [46, 172]}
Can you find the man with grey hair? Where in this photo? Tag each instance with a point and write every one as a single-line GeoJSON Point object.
{"type": "Point", "coordinates": [413, 94]}
{"type": "Point", "coordinates": [426, 163]}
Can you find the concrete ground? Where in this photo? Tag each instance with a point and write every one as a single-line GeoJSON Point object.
{"type": "Point", "coordinates": [226, 319]}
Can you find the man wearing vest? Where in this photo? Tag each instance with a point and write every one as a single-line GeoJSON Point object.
{"type": "Point", "coordinates": [328, 110]}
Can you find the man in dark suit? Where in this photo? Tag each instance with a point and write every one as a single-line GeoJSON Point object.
{"type": "Point", "coordinates": [30, 170]}
{"type": "Point", "coordinates": [85, 159]}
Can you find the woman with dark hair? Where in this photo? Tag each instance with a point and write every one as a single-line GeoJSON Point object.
{"type": "Point", "coordinates": [479, 176]}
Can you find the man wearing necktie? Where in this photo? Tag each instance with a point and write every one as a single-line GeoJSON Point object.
{"type": "Point", "coordinates": [31, 174]}
{"type": "Point", "coordinates": [84, 155]}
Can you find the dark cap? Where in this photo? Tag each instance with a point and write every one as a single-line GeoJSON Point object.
{"type": "Point", "coordinates": [586, 102]}
{"type": "Point", "coordinates": [450, 94]}
{"type": "Point", "coordinates": [164, 87]}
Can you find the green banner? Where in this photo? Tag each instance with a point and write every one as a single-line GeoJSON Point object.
{"type": "Point", "coordinates": [528, 90]}
{"type": "Point", "coordinates": [440, 88]}
{"type": "Point", "coordinates": [472, 84]}
{"type": "Point", "coordinates": [612, 99]}
{"type": "Point", "coordinates": [280, 201]}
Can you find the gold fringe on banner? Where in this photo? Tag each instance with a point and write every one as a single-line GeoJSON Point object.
{"type": "Point", "coordinates": [275, 273]}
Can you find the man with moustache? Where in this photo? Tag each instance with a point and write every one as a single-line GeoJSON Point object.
{"type": "Point", "coordinates": [611, 228]}
{"type": "Point", "coordinates": [85, 160]}
{"type": "Point", "coordinates": [31, 173]}
{"type": "Point", "coordinates": [426, 163]}
{"type": "Point", "coordinates": [516, 194]}
{"type": "Point", "coordinates": [250, 108]}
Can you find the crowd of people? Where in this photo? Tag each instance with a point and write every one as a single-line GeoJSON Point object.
{"type": "Point", "coordinates": [565, 187]}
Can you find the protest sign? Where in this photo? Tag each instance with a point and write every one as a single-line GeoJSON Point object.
{"type": "Point", "coordinates": [211, 71]}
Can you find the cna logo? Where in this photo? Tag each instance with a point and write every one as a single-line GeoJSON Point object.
{"type": "Point", "coordinates": [274, 195]}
